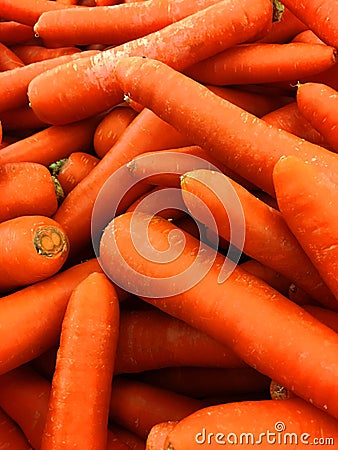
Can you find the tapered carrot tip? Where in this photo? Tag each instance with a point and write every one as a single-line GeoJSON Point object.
{"type": "Point", "coordinates": [49, 241]}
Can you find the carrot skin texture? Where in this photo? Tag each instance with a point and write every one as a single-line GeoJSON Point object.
{"type": "Point", "coordinates": [245, 334]}
{"type": "Point", "coordinates": [285, 29]}
{"type": "Point", "coordinates": [84, 368]}
{"type": "Point", "coordinates": [158, 434]}
{"type": "Point", "coordinates": [12, 32]}
{"type": "Point", "coordinates": [180, 44]}
{"type": "Point", "coordinates": [22, 118]}
{"type": "Point", "coordinates": [34, 53]}
{"type": "Point", "coordinates": [8, 59]}
{"type": "Point", "coordinates": [11, 437]}
{"type": "Point", "coordinates": [312, 216]}
{"type": "Point", "coordinates": [215, 124]}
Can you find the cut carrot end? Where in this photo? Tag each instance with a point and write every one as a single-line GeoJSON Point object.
{"type": "Point", "coordinates": [50, 241]}
{"type": "Point", "coordinates": [279, 392]}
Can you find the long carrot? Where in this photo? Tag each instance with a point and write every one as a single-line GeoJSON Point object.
{"type": "Point", "coordinates": [8, 59]}
{"type": "Point", "coordinates": [11, 437]}
{"type": "Point", "coordinates": [192, 286]}
{"type": "Point", "coordinates": [267, 236]}
{"type": "Point", "coordinates": [12, 32]}
{"type": "Point", "coordinates": [244, 143]}
{"type": "Point", "coordinates": [84, 368]}
{"type": "Point", "coordinates": [312, 216]}
{"type": "Point", "coordinates": [291, 423]}
{"type": "Point", "coordinates": [180, 44]}
{"type": "Point", "coordinates": [34, 53]}
{"type": "Point", "coordinates": [114, 26]}
{"type": "Point", "coordinates": [318, 103]}
{"type": "Point", "coordinates": [263, 63]}
{"type": "Point", "coordinates": [27, 189]}
{"type": "Point", "coordinates": [152, 339]}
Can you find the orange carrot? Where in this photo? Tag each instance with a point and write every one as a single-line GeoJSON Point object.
{"type": "Point", "coordinates": [190, 284]}
{"type": "Point", "coordinates": [111, 127]}
{"type": "Point", "coordinates": [21, 118]}
{"type": "Point", "coordinates": [312, 216]}
{"type": "Point", "coordinates": [34, 53]}
{"type": "Point", "coordinates": [158, 434]}
{"type": "Point", "coordinates": [132, 440]}
{"type": "Point", "coordinates": [8, 59]}
{"type": "Point", "coordinates": [11, 437]}
{"type": "Point", "coordinates": [115, 443]}
{"type": "Point", "coordinates": [152, 339]}
{"type": "Point", "coordinates": [285, 29]}
{"type": "Point", "coordinates": [45, 364]}
{"type": "Point", "coordinates": [244, 143]}
{"type": "Point", "coordinates": [180, 44]}
{"type": "Point", "coordinates": [326, 316]}
{"type": "Point", "coordinates": [307, 36]}
{"type": "Point", "coordinates": [12, 32]}
{"type": "Point", "coordinates": [84, 368]}
{"type": "Point", "coordinates": [27, 189]}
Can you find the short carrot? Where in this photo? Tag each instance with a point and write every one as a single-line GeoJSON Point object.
{"type": "Point", "coordinates": [8, 59]}
{"type": "Point", "coordinates": [180, 44]}
{"type": "Point", "coordinates": [152, 340]}
{"type": "Point", "coordinates": [12, 32]}
{"type": "Point", "coordinates": [27, 189]}
{"type": "Point", "coordinates": [84, 368]}
{"type": "Point", "coordinates": [318, 103]}
{"type": "Point", "coordinates": [214, 303]}
{"type": "Point", "coordinates": [30, 54]}
{"type": "Point", "coordinates": [243, 142]}
{"type": "Point", "coordinates": [312, 216]}
{"type": "Point", "coordinates": [11, 437]}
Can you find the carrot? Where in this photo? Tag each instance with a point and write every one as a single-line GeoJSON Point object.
{"type": "Point", "coordinates": [24, 397]}
{"type": "Point", "coordinates": [11, 437]}
{"type": "Point", "coordinates": [152, 339]}
{"type": "Point", "coordinates": [70, 171]}
{"type": "Point", "coordinates": [27, 189]}
{"type": "Point", "coordinates": [138, 406]}
{"type": "Point", "coordinates": [263, 63]}
{"type": "Point", "coordinates": [318, 103]}
{"type": "Point", "coordinates": [267, 236]}
{"type": "Point", "coordinates": [45, 364]}
{"type": "Point", "coordinates": [312, 216]}
{"type": "Point", "coordinates": [132, 440]}
{"type": "Point", "coordinates": [14, 84]}
{"type": "Point", "coordinates": [285, 29]}
{"type": "Point", "coordinates": [241, 141]}
{"type": "Point", "coordinates": [12, 32]}
{"type": "Point", "coordinates": [22, 118]}
{"type": "Point", "coordinates": [321, 16]}
{"type": "Point", "coordinates": [193, 287]}
{"type": "Point", "coordinates": [307, 36]}
{"type": "Point", "coordinates": [30, 54]}
{"type": "Point", "coordinates": [37, 243]}
{"type": "Point", "coordinates": [293, 423]}
{"type": "Point", "coordinates": [84, 368]}
{"type": "Point", "coordinates": [107, 2]}
{"type": "Point", "coordinates": [115, 443]}
{"type": "Point", "coordinates": [180, 44]}
{"type": "Point", "coordinates": [158, 434]}
{"type": "Point", "coordinates": [326, 316]}
{"type": "Point", "coordinates": [114, 26]}
{"type": "Point", "coordinates": [52, 143]}
{"type": "Point", "coordinates": [67, 2]}
{"type": "Point", "coordinates": [111, 127]}
{"type": "Point", "coordinates": [290, 119]}
{"type": "Point", "coordinates": [278, 392]}
{"type": "Point", "coordinates": [8, 59]}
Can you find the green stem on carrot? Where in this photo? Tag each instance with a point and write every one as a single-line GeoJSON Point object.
{"type": "Point", "coordinates": [278, 9]}
{"type": "Point", "coordinates": [60, 195]}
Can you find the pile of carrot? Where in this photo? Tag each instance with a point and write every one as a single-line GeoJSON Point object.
{"type": "Point", "coordinates": [168, 224]}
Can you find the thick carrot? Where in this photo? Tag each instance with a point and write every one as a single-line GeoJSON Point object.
{"type": "Point", "coordinates": [32, 248]}
{"type": "Point", "coordinates": [285, 29]}
{"type": "Point", "coordinates": [14, 84]}
{"type": "Point", "coordinates": [307, 36]}
{"type": "Point", "coordinates": [12, 32]}
{"type": "Point", "coordinates": [312, 216]}
{"type": "Point", "coordinates": [180, 44]}
{"type": "Point", "coordinates": [30, 54]}
{"type": "Point", "coordinates": [158, 434]}
{"type": "Point", "coordinates": [27, 189]}
{"type": "Point", "coordinates": [114, 26]}
{"type": "Point", "coordinates": [192, 286]}
{"type": "Point", "coordinates": [84, 368]}
{"type": "Point", "coordinates": [38, 312]}
{"type": "Point", "coordinates": [290, 119]}
{"type": "Point", "coordinates": [111, 127]}
{"type": "Point", "coordinates": [318, 103]}
{"type": "Point", "coordinates": [321, 16]}
{"type": "Point", "coordinates": [8, 59]}
{"type": "Point", "coordinates": [22, 118]}
{"type": "Point", "coordinates": [52, 143]}
{"type": "Point", "coordinates": [291, 423]}
{"type": "Point", "coordinates": [138, 406]}
{"type": "Point", "coordinates": [267, 236]}
{"type": "Point", "coordinates": [243, 142]}
{"type": "Point", "coordinates": [70, 171]}
{"type": "Point", "coordinates": [263, 63]}
{"type": "Point", "coordinates": [152, 339]}
{"type": "Point", "coordinates": [11, 437]}
{"type": "Point", "coordinates": [24, 397]}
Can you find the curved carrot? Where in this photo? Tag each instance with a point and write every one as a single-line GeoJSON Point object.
{"type": "Point", "coordinates": [263, 63]}
{"type": "Point", "coordinates": [285, 29]}
{"type": "Point", "coordinates": [36, 243]}
{"type": "Point", "coordinates": [12, 32]}
{"type": "Point", "coordinates": [158, 434]}
{"type": "Point", "coordinates": [318, 103]}
{"type": "Point", "coordinates": [214, 303]}
{"type": "Point", "coordinates": [111, 127]}
{"type": "Point", "coordinates": [267, 236]}
{"type": "Point", "coordinates": [152, 339]}
{"type": "Point", "coordinates": [70, 171]}
{"type": "Point", "coordinates": [84, 368]}
{"type": "Point", "coordinates": [30, 54]}
{"type": "Point", "coordinates": [11, 437]}
{"type": "Point", "coordinates": [312, 217]}
{"type": "Point", "coordinates": [8, 59]}
{"type": "Point", "coordinates": [180, 44]}
{"type": "Point", "coordinates": [243, 142]}
{"type": "Point", "coordinates": [22, 118]}
{"type": "Point", "coordinates": [27, 189]}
